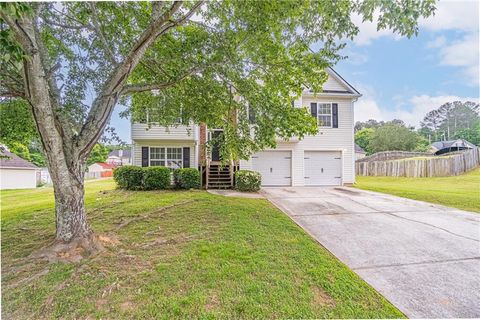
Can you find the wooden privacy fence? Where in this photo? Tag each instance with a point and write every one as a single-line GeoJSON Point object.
{"type": "Point", "coordinates": [439, 166]}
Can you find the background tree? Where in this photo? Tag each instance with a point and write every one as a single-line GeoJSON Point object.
{"type": "Point", "coordinates": [363, 137]}
{"type": "Point", "coordinates": [99, 153]}
{"type": "Point", "coordinates": [431, 123]}
{"type": "Point", "coordinates": [393, 137]}
{"type": "Point", "coordinates": [452, 120]}
{"type": "Point", "coordinates": [76, 60]}
{"type": "Point", "coordinates": [18, 132]}
{"type": "Point", "coordinates": [374, 124]}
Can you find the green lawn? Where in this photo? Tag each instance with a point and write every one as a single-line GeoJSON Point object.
{"type": "Point", "coordinates": [207, 257]}
{"type": "Point", "coordinates": [461, 192]}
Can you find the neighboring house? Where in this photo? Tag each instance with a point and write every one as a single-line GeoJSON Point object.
{"type": "Point", "coordinates": [327, 158]}
{"type": "Point", "coordinates": [15, 172]}
{"type": "Point", "coordinates": [100, 170]}
{"type": "Point", "coordinates": [359, 152]}
{"type": "Point", "coordinates": [120, 157]}
{"type": "Point", "coordinates": [441, 147]}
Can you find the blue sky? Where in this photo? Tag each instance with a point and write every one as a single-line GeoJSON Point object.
{"type": "Point", "coordinates": [405, 78]}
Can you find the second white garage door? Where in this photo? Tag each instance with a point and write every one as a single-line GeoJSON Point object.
{"type": "Point", "coordinates": [323, 168]}
{"type": "Point", "coordinates": [274, 166]}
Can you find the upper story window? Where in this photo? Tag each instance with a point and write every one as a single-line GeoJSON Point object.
{"type": "Point", "coordinates": [166, 157]}
{"type": "Point", "coordinates": [325, 115]}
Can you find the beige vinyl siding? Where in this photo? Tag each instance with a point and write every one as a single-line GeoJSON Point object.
{"type": "Point", "coordinates": [138, 144]}
{"type": "Point", "coordinates": [334, 85]}
{"type": "Point", "coordinates": [141, 131]}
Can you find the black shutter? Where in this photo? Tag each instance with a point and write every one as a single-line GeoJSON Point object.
{"type": "Point", "coordinates": [186, 157]}
{"type": "Point", "coordinates": [334, 115]}
{"type": "Point", "coordinates": [145, 151]}
{"type": "Point", "coordinates": [251, 115]}
{"type": "Point", "coordinates": [313, 109]}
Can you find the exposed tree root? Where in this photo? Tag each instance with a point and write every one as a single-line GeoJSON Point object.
{"type": "Point", "coordinates": [149, 215]}
{"type": "Point", "coordinates": [73, 251]}
{"type": "Point", "coordinates": [27, 280]}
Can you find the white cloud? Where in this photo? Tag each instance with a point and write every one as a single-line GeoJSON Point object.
{"type": "Point", "coordinates": [453, 15]}
{"type": "Point", "coordinates": [463, 53]}
{"type": "Point", "coordinates": [367, 108]}
{"type": "Point", "coordinates": [438, 42]}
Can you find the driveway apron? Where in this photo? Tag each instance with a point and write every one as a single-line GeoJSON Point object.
{"type": "Point", "coordinates": [424, 258]}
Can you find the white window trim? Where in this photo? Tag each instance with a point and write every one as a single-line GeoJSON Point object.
{"type": "Point", "coordinates": [325, 114]}
{"type": "Point", "coordinates": [166, 157]}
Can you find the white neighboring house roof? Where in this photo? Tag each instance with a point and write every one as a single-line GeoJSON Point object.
{"type": "Point", "coordinates": [10, 160]}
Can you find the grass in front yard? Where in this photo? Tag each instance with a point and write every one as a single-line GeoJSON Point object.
{"type": "Point", "coordinates": [205, 256]}
{"type": "Point", "coordinates": [462, 192]}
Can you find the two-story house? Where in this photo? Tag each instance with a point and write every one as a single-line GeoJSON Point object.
{"type": "Point", "coordinates": [327, 158]}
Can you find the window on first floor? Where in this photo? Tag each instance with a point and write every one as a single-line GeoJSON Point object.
{"type": "Point", "coordinates": [167, 157]}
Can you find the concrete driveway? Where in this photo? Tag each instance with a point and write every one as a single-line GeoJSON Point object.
{"type": "Point", "coordinates": [423, 258]}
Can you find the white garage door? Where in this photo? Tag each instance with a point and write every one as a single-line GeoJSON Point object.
{"type": "Point", "coordinates": [323, 168]}
{"type": "Point", "coordinates": [274, 166]}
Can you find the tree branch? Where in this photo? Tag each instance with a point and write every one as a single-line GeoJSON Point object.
{"type": "Point", "coordinates": [100, 34]}
{"type": "Point", "coordinates": [136, 88]}
{"type": "Point", "coordinates": [103, 105]}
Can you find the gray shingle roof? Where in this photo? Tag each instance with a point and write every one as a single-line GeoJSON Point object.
{"type": "Point", "coordinates": [359, 149]}
{"type": "Point", "coordinates": [126, 153]}
{"type": "Point", "coordinates": [10, 160]}
{"type": "Point", "coordinates": [460, 143]}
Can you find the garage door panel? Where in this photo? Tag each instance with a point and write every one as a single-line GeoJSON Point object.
{"type": "Point", "coordinates": [323, 168]}
{"type": "Point", "coordinates": [274, 166]}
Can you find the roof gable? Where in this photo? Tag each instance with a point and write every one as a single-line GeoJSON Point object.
{"type": "Point", "coordinates": [336, 84]}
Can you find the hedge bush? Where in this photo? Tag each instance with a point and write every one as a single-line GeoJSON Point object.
{"type": "Point", "coordinates": [155, 178]}
{"type": "Point", "coordinates": [186, 178]}
{"type": "Point", "coordinates": [129, 177]}
{"type": "Point", "coordinates": [246, 180]}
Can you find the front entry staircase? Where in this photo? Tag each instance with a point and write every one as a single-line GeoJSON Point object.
{"type": "Point", "coordinates": [219, 176]}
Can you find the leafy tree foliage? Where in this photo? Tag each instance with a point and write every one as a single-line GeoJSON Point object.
{"type": "Point", "coordinates": [452, 120]}
{"type": "Point", "coordinates": [393, 137]}
{"type": "Point", "coordinates": [16, 123]}
{"type": "Point", "coordinates": [18, 131]}
{"type": "Point", "coordinates": [81, 58]}
{"type": "Point", "coordinates": [374, 124]}
{"type": "Point", "coordinates": [99, 153]}
{"type": "Point", "coordinates": [363, 137]}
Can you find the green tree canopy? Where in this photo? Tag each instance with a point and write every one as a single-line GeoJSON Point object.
{"type": "Point", "coordinates": [363, 137]}
{"type": "Point", "coordinates": [99, 154]}
{"type": "Point", "coordinates": [391, 137]}
{"type": "Point", "coordinates": [452, 120]}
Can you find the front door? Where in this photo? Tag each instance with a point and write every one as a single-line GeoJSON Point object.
{"type": "Point", "coordinates": [217, 138]}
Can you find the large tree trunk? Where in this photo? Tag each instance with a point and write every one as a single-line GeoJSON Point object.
{"type": "Point", "coordinates": [70, 211]}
